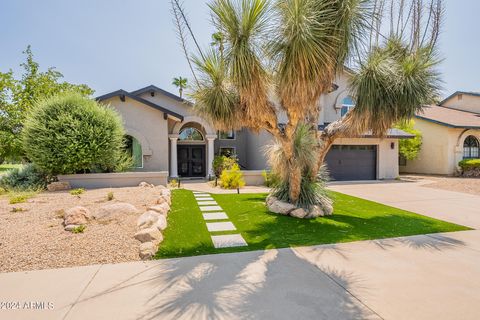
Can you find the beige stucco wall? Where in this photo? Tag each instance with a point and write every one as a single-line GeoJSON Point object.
{"type": "Point", "coordinates": [464, 102]}
{"type": "Point", "coordinates": [442, 149]}
{"type": "Point", "coordinates": [149, 127]}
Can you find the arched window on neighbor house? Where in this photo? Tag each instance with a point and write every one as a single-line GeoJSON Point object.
{"type": "Point", "coordinates": [347, 105]}
{"type": "Point", "coordinates": [190, 134]}
{"type": "Point", "coordinates": [471, 148]}
{"type": "Point", "coordinates": [134, 149]}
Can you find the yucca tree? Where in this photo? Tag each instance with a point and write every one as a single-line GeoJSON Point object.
{"type": "Point", "coordinates": [181, 84]}
{"type": "Point", "coordinates": [279, 56]}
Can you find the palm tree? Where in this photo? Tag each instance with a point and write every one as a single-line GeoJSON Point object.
{"type": "Point", "coordinates": [280, 56]}
{"type": "Point", "coordinates": [180, 83]}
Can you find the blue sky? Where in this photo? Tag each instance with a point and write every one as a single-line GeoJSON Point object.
{"type": "Point", "coordinates": [128, 44]}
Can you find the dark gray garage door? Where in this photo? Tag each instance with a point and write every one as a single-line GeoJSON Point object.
{"type": "Point", "coordinates": [352, 162]}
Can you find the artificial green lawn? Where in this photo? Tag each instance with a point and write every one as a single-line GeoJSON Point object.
{"type": "Point", "coordinates": [353, 219]}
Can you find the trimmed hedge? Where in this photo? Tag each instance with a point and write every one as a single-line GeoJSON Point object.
{"type": "Point", "coordinates": [69, 133]}
{"type": "Point", "coordinates": [469, 164]}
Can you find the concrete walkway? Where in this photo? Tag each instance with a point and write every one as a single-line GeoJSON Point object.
{"type": "Point", "coordinates": [420, 277]}
{"type": "Point", "coordinates": [456, 207]}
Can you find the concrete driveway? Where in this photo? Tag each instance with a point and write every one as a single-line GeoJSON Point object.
{"type": "Point", "coordinates": [456, 207]}
{"type": "Point", "coordinates": [419, 277]}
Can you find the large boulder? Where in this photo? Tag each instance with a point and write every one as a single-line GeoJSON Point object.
{"type": "Point", "coordinates": [77, 216]}
{"type": "Point", "coordinates": [58, 186]}
{"type": "Point", "coordinates": [161, 223]}
{"type": "Point", "coordinates": [151, 234]}
{"type": "Point", "coordinates": [298, 213]}
{"type": "Point", "coordinates": [144, 184]}
{"type": "Point", "coordinates": [164, 199]}
{"type": "Point", "coordinates": [328, 209]}
{"type": "Point", "coordinates": [166, 192]}
{"type": "Point", "coordinates": [115, 211]}
{"type": "Point", "coordinates": [148, 219]}
{"type": "Point", "coordinates": [162, 208]}
{"type": "Point", "coordinates": [314, 212]}
{"type": "Point", "coordinates": [280, 207]}
{"type": "Point", "coordinates": [147, 250]}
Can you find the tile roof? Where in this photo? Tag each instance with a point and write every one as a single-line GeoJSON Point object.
{"type": "Point", "coordinates": [450, 117]}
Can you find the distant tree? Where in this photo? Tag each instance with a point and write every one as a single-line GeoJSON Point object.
{"type": "Point", "coordinates": [18, 96]}
{"type": "Point", "coordinates": [410, 148]}
{"type": "Point", "coordinates": [180, 83]}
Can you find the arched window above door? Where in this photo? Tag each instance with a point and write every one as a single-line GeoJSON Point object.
{"type": "Point", "coordinates": [190, 134]}
{"type": "Point", "coordinates": [471, 148]}
{"type": "Point", "coordinates": [347, 104]}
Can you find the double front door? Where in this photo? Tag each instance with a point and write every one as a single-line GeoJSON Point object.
{"type": "Point", "coordinates": [191, 160]}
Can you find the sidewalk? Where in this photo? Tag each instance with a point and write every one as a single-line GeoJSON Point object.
{"type": "Point", "coordinates": [419, 277]}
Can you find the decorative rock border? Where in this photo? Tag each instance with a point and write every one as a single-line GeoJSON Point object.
{"type": "Point", "coordinates": [152, 222]}
{"type": "Point", "coordinates": [288, 209]}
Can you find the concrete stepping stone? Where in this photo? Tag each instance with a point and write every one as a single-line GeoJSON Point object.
{"type": "Point", "coordinates": [199, 195]}
{"type": "Point", "coordinates": [220, 226]}
{"type": "Point", "coordinates": [215, 216]}
{"type": "Point", "coordinates": [210, 208]}
{"type": "Point", "coordinates": [207, 203]}
{"type": "Point", "coordinates": [197, 192]}
{"type": "Point", "coordinates": [229, 240]}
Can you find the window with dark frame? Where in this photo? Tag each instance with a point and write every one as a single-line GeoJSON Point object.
{"type": "Point", "coordinates": [226, 135]}
{"type": "Point", "coordinates": [471, 148]}
{"type": "Point", "coordinates": [227, 151]}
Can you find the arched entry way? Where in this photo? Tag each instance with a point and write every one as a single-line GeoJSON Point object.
{"type": "Point", "coordinates": [191, 148]}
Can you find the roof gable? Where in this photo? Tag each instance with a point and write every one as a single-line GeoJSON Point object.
{"type": "Point", "coordinates": [122, 94]}
{"type": "Point", "coordinates": [152, 88]}
{"type": "Point", "coordinates": [456, 93]}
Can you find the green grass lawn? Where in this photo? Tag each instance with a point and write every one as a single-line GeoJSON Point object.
{"type": "Point", "coordinates": [353, 219]}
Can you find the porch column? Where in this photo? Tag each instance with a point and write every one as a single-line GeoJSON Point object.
{"type": "Point", "coordinates": [173, 155]}
{"type": "Point", "coordinates": [210, 153]}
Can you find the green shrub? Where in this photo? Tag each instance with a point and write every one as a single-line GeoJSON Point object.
{"type": "Point", "coordinates": [221, 163]}
{"type": "Point", "coordinates": [410, 148]}
{"type": "Point", "coordinates": [271, 179]}
{"type": "Point", "coordinates": [469, 164]}
{"type": "Point", "coordinates": [110, 196]}
{"type": "Point", "coordinates": [173, 183]}
{"type": "Point", "coordinates": [232, 179]}
{"type": "Point", "coordinates": [28, 177]}
{"type": "Point", "coordinates": [79, 229]}
{"type": "Point", "coordinates": [20, 196]}
{"type": "Point", "coordinates": [69, 133]}
{"type": "Point", "coordinates": [2, 191]}
{"type": "Point", "coordinates": [77, 192]}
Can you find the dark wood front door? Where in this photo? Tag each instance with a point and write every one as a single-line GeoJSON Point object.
{"type": "Point", "coordinates": [191, 160]}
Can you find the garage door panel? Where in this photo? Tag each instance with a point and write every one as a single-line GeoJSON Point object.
{"type": "Point", "coordinates": [352, 162]}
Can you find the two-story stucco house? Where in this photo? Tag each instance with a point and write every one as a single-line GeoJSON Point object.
{"type": "Point", "coordinates": [451, 133]}
{"type": "Point", "coordinates": [165, 134]}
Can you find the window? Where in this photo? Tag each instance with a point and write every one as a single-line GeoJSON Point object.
{"type": "Point", "coordinates": [134, 149]}
{"type": "Point", "coordinates": [470, 148]}
{"type": "Point", "coordinates": [226, 135]}
{"type": "Point", "coordinates": [347, 105]}
{"type": "Point", "coordinates": [190, 134]}
{"type": "Point", "coordinates": [227, 151]}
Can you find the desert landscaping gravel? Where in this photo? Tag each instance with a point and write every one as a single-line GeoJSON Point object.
{"type": "Point", "coordinates": [458, 184]}
{"type": "Point", "coordinates": [35, 238]}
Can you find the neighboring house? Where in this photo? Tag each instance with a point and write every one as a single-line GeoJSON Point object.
{"type": "Point", "coordinates": [451, 133]}
{"type": "Point", "coordinates": [165, 134]}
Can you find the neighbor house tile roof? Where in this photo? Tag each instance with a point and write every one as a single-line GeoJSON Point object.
{"type": "Point", "coordinates": [450, 117]}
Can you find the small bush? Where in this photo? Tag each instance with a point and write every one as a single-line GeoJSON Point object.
{"type": "Point", "coordinates": [271, 179]}
{"type": "Point", "coordinates": [2, 191]}
{"type": "Point", "coordinates": [16, 209]}
{"type": "Point", "coordinates": [28, 177]}
{"type": "Point", "coordinates": [221, 163]}
{"type": "Point", "coordinates": [110, 196]}
{"type": "Point", "coordinates": [232, 179]}
{"type": "Point", "coordinates": [79, 229]}
{"type": "Point", "coordinates": [469, 164]}
{"type": "Point", "coordinates": [69, 133]}
{"type": "Point", "coordinates": [173, 183]}
{"type": "Point", "coordinates": [20, 197]}
{"type": "Point", "coordinates": [77, 192]}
